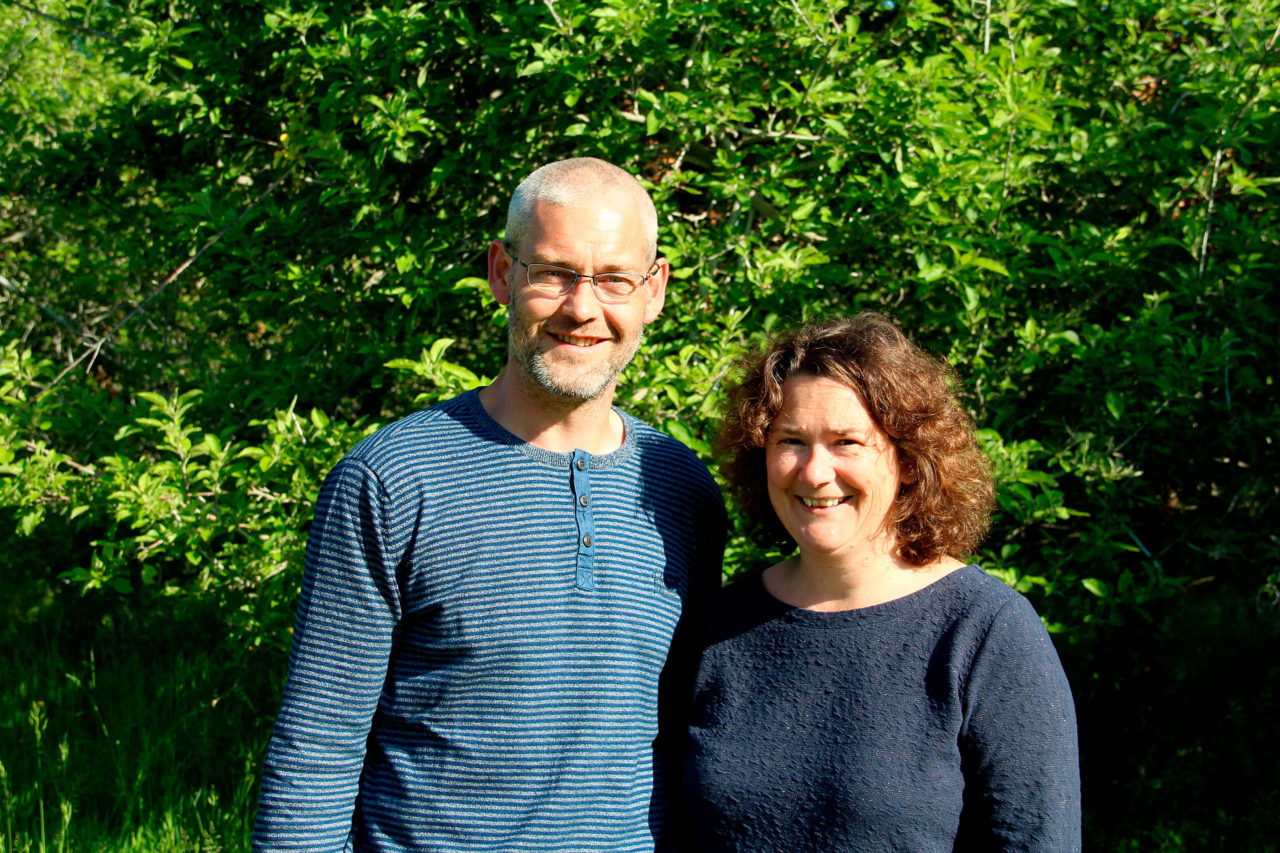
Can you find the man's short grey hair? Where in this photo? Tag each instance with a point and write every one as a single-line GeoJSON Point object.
{"type": "Point", "coordinates": [575, 182]}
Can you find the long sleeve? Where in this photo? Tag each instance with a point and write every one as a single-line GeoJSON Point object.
{"type": "Point", "coordinates": [347, 613]}
{"type": "Point", "coordinates": [1019, 742]}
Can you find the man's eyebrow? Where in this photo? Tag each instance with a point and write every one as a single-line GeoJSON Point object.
{"type": "Point", "coordinates": [554, 260]}
{"type": "Point", "coordinates": [606, 266]}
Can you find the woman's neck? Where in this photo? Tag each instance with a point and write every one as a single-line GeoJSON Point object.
{"type": "Point", "coordinates": [864, 580]}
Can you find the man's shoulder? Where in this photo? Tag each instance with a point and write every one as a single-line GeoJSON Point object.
{"type": "Point", "coordinates": [661, 456]}
{"type": "Point", "coordinates": [651, 440]}
{"type": "Point", "coordinates": [429, 434]}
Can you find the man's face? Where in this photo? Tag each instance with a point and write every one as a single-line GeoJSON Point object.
{"type": "Point", "coordinates": [572, 346]}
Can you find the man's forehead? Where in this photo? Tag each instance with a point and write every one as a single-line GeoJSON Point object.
{"type": "Point", "coordinates": [594, 197]}
{"type": "Point", "coordinates": [589, 219]}
{"type": "Point", "coordinates": [610, 218]}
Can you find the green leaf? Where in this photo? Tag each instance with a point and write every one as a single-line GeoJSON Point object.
{"type": "Point", "coordinates": [986, 264]}
{"type": "Point", "coordinates": [679, 432]}
{"type": "Point", "coordinates": [836, 126]}
{"type": "Point", "coordinates": [471, 283]}
{"type": "Point", "coordinates": [438, 348]}
{"type": "Point", "coordinates": [1115, 404]}
{"type": "Point", "coordinates": [156, 400]}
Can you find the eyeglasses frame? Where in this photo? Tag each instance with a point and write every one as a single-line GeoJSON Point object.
{"type": "Point", "coordinates": [595, 288]}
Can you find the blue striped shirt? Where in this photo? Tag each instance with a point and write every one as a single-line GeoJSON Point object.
{"type": "Point", "coordinates": [479, 641]}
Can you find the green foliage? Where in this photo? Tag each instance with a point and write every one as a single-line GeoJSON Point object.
{"type": "Point", "coordinates": [447, 379]}
{"type": "Point", "coordinates": [124, 730]}
{"type": "Point", "coordinates": [233, 235]}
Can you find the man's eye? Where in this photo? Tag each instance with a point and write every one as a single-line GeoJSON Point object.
{"type": "Point", "coordinates": [550, 275]}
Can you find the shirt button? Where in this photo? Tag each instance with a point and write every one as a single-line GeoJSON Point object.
{"type": "Point", "coordinates": [586, 540]}
{"type": "Point", "coordinates": [584, 501]}
{"type": "Point", "coordinates": [582, 464]}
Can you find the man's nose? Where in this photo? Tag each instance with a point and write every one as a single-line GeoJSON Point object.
{"type": "Point", "coordinates": [581, 301]}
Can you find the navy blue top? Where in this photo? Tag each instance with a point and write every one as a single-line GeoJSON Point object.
{"type": "Point", "coordinates": [936, 722]}
{"type": "Point", "coordinates": [479, 642]}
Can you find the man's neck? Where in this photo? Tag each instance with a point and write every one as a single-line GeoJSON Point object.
{"type": "Point", "coordinates": [549, 422]}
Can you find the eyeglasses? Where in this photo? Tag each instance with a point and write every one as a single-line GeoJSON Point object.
{"type": "Point", "coordinates": [610, 287]}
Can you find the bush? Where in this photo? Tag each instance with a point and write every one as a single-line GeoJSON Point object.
{"type": "Point", "coordinates": [245, 235]}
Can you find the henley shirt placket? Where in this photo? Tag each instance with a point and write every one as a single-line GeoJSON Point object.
{"type": "Point", "coordinates": [580, 485]}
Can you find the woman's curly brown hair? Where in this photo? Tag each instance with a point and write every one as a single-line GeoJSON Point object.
{"type": "Point", "coordinates": [944, 505]}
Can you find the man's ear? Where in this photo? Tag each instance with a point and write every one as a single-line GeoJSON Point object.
{"type": "Point", "coordinates": [499, 272]}
{"type": "Point", "coordinates": [656, 295]}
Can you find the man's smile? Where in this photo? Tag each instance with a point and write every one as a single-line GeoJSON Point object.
{"type": "Point", "coordinates": [576, 341]}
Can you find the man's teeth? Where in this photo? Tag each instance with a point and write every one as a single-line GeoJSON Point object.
{"type": "Point", "coordinates": [821, 501]}
{"type": "Point", "coordinates": [577, 342]}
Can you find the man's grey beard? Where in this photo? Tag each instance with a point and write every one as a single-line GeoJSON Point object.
{"type": "Point", "coordinates": [584, 387]}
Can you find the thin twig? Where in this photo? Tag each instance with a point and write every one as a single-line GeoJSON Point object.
{"type": "Point", "coordinates": [81, 357]}
{"type": "Point", "coordinates": [808, 90]}
{"type": "Point", "coordinates": [32, 447]}
{"type": "Point", "coordinates": [1208, 216]}
{"type": "Point", "coordinates": [675, 167]}
{"type": "Point", "coordinates": [750, 135]}
{"type": "Point", "coordinates": [54, 315]}
{"type": "Point", "coordinates": [1163, 405]}
{"type": "Point", "coordinates": [986, 30]}
{"type": "Point", "coordinates": [1226, 373]}
{"type": "Point", "coordinates": [551, 8]}
{"type": "Point", "coordinates": [805, 18]}
{"type": "Point", "coordinates": [1217, 154]}
{"type": "Point", "coordinates": [69, 24]}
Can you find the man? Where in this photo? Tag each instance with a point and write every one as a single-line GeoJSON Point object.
{"type": "Point", "coordinates": [492, 585]}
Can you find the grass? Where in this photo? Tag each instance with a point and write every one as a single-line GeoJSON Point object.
{"type": "Point", "coordinates": [125, 730]}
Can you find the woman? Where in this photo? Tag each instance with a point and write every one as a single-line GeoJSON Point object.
{"type": "Point", "coordinates": [872, 692]}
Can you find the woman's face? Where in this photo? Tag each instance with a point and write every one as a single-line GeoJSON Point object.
{"type": "Point", "coordinates": [832, 472]}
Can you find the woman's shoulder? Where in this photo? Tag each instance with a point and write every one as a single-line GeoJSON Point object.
{"type": "Point", "coordinates": [993, 619]}
{"type": "Point", "coordinates": [970, 602]}
{"type": "Point", "coordinates": [972, 587]}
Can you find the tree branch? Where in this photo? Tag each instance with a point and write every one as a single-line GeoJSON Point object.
{"type": "Point", "coordinates": [54, 315]}
{"type": "Point", "coordinates": [68, 24]}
